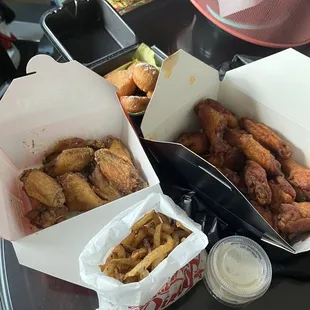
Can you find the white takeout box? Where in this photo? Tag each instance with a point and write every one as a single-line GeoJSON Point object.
{"type": "Point", "coordinates": [274, 90]}
{"type": "Point", "coordinates": [58, 101]}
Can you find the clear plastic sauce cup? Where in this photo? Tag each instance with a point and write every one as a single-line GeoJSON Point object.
{"type": "Point", "coordinates": [238, 271]}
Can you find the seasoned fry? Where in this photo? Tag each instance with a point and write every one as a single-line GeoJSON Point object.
{"type": "Point", "coordinates": [152, 238]}
{"type": "Point", "coordinates": [157, 236]}
{"type": "Point", "coordinates": [181, 226]}
{"type": "Point", "coordinates": [140, 253]}
{"type": "Point", "coordinates": [147, 261]}
{"type": "Point", "coordinates": [145, 219]}
{"type": "Point", "coordinates": [140, 235]}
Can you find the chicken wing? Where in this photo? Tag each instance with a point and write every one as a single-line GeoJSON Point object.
{"type": "Point", "coordinates": [103, 188]}
{"type": "Point", "coordinates": [298, 175]}
{"type": "Point", "coordinates": [119, 172]}
{"type": "Point", "coordinates": [282, 192]}
{"type": "Point", "coordinates": [294, 217]}
{"type": "Point", "coordinates": [43, 188]}
{"type": "Point", "coordinates": [216, 159]}
{"type": "Point", "coordinates": [71, 160]}
{"type": "Point", "coordinates": [195, 141]}
{"type": "Point", "coordinates": [301, 195]}
{"type": "Point", "coordinates": [256, 180]}
{"type": "Point", "coordinates": [70, 143]}
{"type": "Point", "coordinates": [253, 150]}
{"type": "Point", "coordinates": [117, 147]}
{"type": "Point", "coordinates": [266, 137]}
{"type": "Point", "coordinates": [213, 124]}
{"type": "Point", "coordinates": [265, 212]}
{"type": "Point", "coordinates": [78, 193]}
{"type": "Point", "coordinates": [232, 176]}
{"type": "Point", "coordinates": [45, 217]}
{"type": "Point", "coordinates": [234, 159]}
{"type": "Point", "coordinates": [232, 121]}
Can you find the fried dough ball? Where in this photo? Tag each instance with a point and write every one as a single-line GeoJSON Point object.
{"type": "Point", "coordinates": [123, 80]}
{"type": "Point", "coordinates": [134, 104]}
{"type": "Point", "coordinates": [145, 76]}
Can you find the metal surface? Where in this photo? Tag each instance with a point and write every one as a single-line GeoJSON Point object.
{"type": "Point", "coordinates": [86, 30]}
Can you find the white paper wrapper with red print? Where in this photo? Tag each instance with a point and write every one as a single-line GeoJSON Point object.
{"type": "Point", "coordinates": [169, 277]}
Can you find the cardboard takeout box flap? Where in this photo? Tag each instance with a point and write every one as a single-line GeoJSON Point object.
{"type": "Point", "coordinates": [183, 80]}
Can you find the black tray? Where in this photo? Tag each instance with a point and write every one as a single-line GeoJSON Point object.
{"type": "Point", "coordinates": [91, 25]}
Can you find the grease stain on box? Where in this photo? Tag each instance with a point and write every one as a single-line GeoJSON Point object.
{"type": "Point", "coordinates": [192, 80]}
{"type": "Point", "coordinates": [169, 65]}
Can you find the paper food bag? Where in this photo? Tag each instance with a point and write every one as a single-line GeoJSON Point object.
{"type": "Point", "coordinates": [116, 295]}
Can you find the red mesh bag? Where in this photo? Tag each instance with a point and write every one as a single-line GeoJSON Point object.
{"type": "Point", "coordinates": [272, 23]}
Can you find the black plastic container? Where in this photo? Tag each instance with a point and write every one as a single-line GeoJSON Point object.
{"type": "Point", "coordinates": [86, 30]}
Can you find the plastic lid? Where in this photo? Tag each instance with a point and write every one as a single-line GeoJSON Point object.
{"type": "Point", "coordinates": [238, 270]}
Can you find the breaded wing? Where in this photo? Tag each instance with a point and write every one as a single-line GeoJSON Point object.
{"type": "Point", "coordinates": [119, 172]}
{"type": "Point", "coordinates": [282, 192]}
{"type": "Point", "coordinates": [45, 217]}
{"type": "Point", "coordinates": [213, 124]}
{"type": "Point", "coordinates": [195, 141]}
{"type": "Point", "coordinates": [43, 188]}
{"type": "Point", "coordinates": [298, 175]}
{"type": "Point", "coordinates": [78, 193]}
{"type": "Point", "coordinates": [232, 121]}
{"type": "Point", "coordinates": [266, 214]}
{"type": "Point", "coordinates": [234, 159]}
{"type": "Point", "coordinates": [216, 159]}
{"type": "Point", "coordinates": [102, 187]}
{"type": "Point", "coordinates": [71, 160]}
{"type": "Point", "coordinates": [253, 150]}
{"type": "Point", "coordinates": [232, 176]}
{"type": "Point", "coordinates": [294, 217]}
{"type": "Point", "coordinates": [256, 180]}
{"type": "Point", "coordinates": [70, 143]}
{"type": "Point", "coordinates": [117, 147]}
{"type": "Point", "coordinates": [266, 137]}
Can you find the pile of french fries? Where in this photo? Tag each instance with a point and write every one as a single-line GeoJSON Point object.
{"type": "Point", "coordinates": [151, 240]}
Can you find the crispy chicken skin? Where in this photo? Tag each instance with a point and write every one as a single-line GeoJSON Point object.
{"type": "Point", "coordinates": [195, 141]}
{"type": "Point", "coordinates": [43, 188]}
{"type": "Point", "coordinates": [282, 192]}
{"type": "Point", "coordinates": [213, 123]}
{"type": "Point", "coordinates": [71, 160]}
{"type": "Point", "coordinates": [298, 175]}
{"type": "Point", "coordinates": [301, 195]}
{"type": "Point", "coordinates": [119, 172]}
{"type": "Point", "coordinates": [70, 143]}
{"type": "Point", "coordinates": [45, 217]}
{"type": "Point", "coordinates": [102, 187]}
{"type": "Point", "coordinates": [266, 214]}
{"type": "Point", "coordinates": [266, 137]}
{"type": "Point", "coordinates": [294, 217]}
{"type": "Point", "coordinates": [118, 148]}
{"type": "Point", "coordinates": [216, 159]}
{"type": "Point", "coordinates": [253, 150]}
{"type": "Point", "coordinates": [232, 121]}
{"type": "Point", "coordinates": [78, 193]}
{"type": "Point", "coordinates": [256, 180]}
{"type": "Point", "coordinates": [232, 176]}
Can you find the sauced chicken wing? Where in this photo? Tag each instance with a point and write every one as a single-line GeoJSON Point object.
{"type": "Point", "coordinates": [253, 150]}
{"type": "Point", "coordinates": [282, 192]}
{"type": "Point", "coordinates": [195, 141]}
{"type": "Point", "coordinates": [43, 188]}
{"type": "Point", "coordinates": [294, 217]}
{"type": "Point", "coordinates": [118, 148]}
{"type": "Point", "coordinates": [71, 160]}
{"type": "Point", "coordinates": [266, 137]}
{"type": "Point", "coordinates": [102, 187]}
{"type": "Point", "coordinates": [256, 180]}
{"type": "Point", "coordinates": [119, 172]}
{"type": "Point", "coordinates": [213, 123]}
{"type": "Point", "coordinates": [78, 193]}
